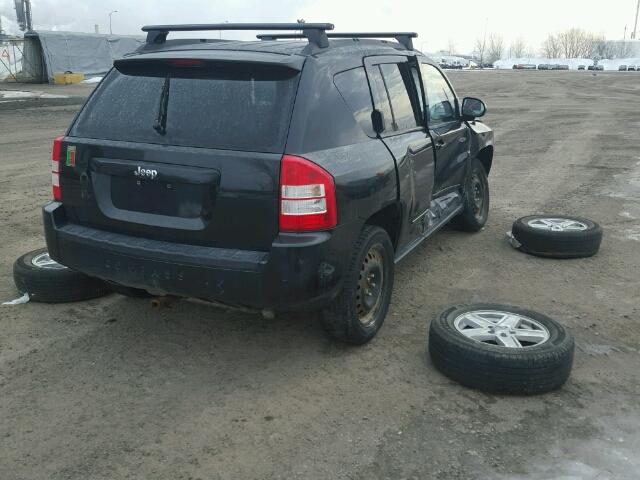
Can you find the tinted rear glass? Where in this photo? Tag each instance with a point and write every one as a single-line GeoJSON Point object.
{"type": "Point", "coordinates": [354, 89]}
{"type": "Point", "coordinates": [237, 107]}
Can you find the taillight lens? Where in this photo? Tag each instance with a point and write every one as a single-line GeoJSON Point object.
{"type": "Point", "coordinates": [56, 155]}
{"type": "Point", "coordinates": [307, 196]}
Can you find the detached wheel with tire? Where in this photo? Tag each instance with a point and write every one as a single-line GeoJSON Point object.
{"type": "Point", "coordinates": [47, 281]}
{"type": "Point", "coordinates": [501, 349]}
{"type": "Point", "coordinates": [475, 200]}
{"type": "Point", "coordinates": [557, 236]}
{"type": "Point", "coordinates": [358, 312]}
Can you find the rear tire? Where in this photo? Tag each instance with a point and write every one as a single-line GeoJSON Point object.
{"type": "Point", "coordinates": [50, 282]}
{"type": "Point", "coordinates": [475, 201]}
{"type": "Point", "coordinates": [358, 312]}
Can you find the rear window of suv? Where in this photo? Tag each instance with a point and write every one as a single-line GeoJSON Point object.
{"type": "Point", "coordinates": [232, 107]}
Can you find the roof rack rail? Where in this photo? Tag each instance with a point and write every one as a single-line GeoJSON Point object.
{"type": "Point", "coordinates": [314, 32]}
{"type": "Point", "coordinates": [404, 38]}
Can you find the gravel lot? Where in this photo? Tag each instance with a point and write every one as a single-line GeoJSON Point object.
{"type": "Point", "coordinates": [113, 389]}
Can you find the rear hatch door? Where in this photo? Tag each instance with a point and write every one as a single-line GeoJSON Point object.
{"type": "Point", "coordinates": [182, 149]}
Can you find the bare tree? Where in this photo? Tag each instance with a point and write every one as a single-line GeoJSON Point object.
{"type": "Point", "coordinates": [496, 48]}
{"type": "Point", "coordinates": [481, 48]}
{"type": "Point", "coordinates": [451, 49]}
{"type": "Point", "coordinates": [518, 48]}
{"type": "Point", "coordinates": [576, 43]}
{"type": "Point", "coordinates": [551, 47]}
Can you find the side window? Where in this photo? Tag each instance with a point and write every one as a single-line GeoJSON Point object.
{"type": "Point", "coordinates": [399, 84]}
{"type": "Point", "coordinates": [354, 89]}
{"type": "Point", "coordinates": [395, 96]}
{"type": "Point", "coordinates": [440, 98]}
{"type": "Point", "coordinates": [380, 96]}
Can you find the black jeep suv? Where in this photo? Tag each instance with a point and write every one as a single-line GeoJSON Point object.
{"type": "Point", "coordinates": [291, 172]}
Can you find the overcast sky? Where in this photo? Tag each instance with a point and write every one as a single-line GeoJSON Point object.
{"type": "Point", "coordinates": [436, 22]}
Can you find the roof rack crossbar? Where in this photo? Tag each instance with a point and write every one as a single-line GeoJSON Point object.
{"type": "Point", "coordinates": [404, 38]}
{"type": "Point", "coordinates": [314, 32]}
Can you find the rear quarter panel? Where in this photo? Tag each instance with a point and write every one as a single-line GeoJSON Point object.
{"type": "Point", "coordinates": [324, 130]}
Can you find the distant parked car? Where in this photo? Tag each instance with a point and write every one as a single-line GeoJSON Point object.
{"type": "Point", "coordinates": [582, 67]}
{"type": "Point", "coordinates": [525, 66]}
{"type": "Point", "coordinates": [562, 67]}
{"type": "Point", "coordinates": [622, 68]}
{"type": "Point", "coordinates": [487, 65]}
{"type": "Point", "coordinates": [632, 68]}
{"type": "Point", "coordinates": [451, 66]}
{"type": "Point", "coordinates": [544, 66]}
{"type": "Point", "coordinates": [591, 67]}
{"type": "Point", "coordinates": [599, 68]}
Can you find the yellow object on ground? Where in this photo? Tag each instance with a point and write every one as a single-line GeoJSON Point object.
{"type": "Point", "coordinates": [67, 78]}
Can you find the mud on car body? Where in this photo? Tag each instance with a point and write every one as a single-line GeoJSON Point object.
{"type": "Point", "coordinates": [285, 173]}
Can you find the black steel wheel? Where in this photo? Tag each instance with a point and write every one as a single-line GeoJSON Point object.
{"type": "Point", "coordinates": [359, 311]}
{"type": "Point", "coordinates": [475, 211]}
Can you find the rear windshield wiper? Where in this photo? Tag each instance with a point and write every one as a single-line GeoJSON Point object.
{"type": "Point", "coordinates": [160, 125]}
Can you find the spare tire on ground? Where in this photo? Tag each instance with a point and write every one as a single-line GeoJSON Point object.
{"type": "Point", "coordinates": [557, 236]}
{"type": "Point", "coordinates": [47, 281]}
{"type": "Point", "coordinates": [501, 349]}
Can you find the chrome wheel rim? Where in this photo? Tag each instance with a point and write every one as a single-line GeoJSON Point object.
{"type": "Point", "coordinates": [557, 224]}
{"type": "Point", "coordinates": [504, 329]}
{"type": "Point", "coordinates": [43, 260]}
{"type": "Point", "coordinates": [370, 285]}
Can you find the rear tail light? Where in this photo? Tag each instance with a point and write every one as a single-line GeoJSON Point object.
{"type": "Point", "coordinates": [56, 155]}
{"type": "Point", "coordinates": [307, 196]}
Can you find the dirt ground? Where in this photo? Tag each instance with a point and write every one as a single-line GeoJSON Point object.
{"type": "Point", "coordinates": [113, 389]}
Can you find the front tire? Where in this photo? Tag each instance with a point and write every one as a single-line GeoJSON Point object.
{"type": "Point", "coordinates": [475, 200]}
{"type": "Point", "coordinates": [359, 311]}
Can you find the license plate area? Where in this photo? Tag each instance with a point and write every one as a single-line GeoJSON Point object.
{"type": "Point", "coordinates": [161, 197]}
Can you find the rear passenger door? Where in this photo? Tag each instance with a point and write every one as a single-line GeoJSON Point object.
{"type": "Point", "coordinates": [450, 134]}
{"type": "Point", "coordinates": [397, 95]}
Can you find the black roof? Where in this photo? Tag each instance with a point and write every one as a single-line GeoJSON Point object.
{"type": "Point", "coordinates": [278, 47]}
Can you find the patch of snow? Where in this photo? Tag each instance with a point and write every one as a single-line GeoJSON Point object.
{"type": "Point", "coordinates": [18, 301]}
{"type": "Point", "coordinates": [9, 95]}
{"type": "Point", "coordinates": [92, 80]}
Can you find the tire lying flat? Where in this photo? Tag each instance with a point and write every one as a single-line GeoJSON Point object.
{"type": "Point", "coordinates": [49, 282]}
{"type": "Point", "coordinates": [557, 236]}
{"type": "Point", "coordinates": [487, 361]}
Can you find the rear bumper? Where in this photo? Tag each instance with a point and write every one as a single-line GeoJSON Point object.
{"type": "Point", "coordinates": [301, 272]}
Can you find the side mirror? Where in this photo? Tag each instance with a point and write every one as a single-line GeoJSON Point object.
{"type": "Point", "coordinates": [377, 120]}
{"type": "Point", "coordinates": [473, 108]}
